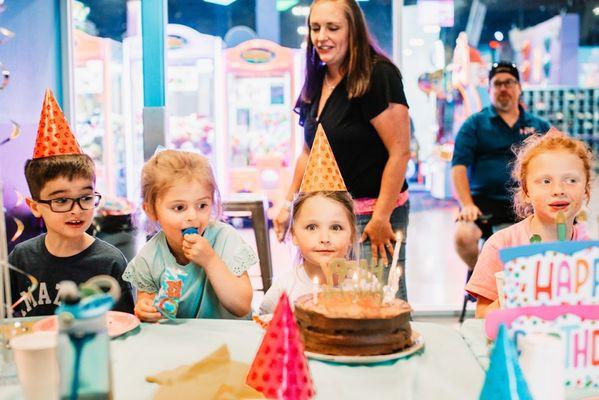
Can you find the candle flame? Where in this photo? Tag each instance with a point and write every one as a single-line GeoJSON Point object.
{"type": "Point", "coordinates": [399, 236]}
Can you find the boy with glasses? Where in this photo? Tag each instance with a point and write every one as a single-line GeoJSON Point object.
{"type": "Point", "coordinates": [61, 182]}
{"type": "Point", "coordinates": [483, 157]}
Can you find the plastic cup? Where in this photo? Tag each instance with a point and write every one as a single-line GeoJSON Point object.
{"type": "Point", "coordinates": [37, 365]}
{"type": "Point", "coordinates": [500, 280]}
{"type": "Point", "coordinates": [8, 330]}
{"type": "Point", "coordinates": [542, 363]}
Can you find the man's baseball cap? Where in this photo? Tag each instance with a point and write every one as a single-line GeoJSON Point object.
{"type": "Point", "coordinates": [506, 67]}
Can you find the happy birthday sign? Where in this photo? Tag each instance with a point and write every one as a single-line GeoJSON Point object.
{"type": "Point", "coordinates": [551, 274]}
{"type": "Point", "coordinates": [580, 338]}
{"type": "Point", "coordinates": [560, 282]}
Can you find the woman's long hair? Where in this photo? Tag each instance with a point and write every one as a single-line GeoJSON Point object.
{"type": "Point", "coordinates": [363, 52]}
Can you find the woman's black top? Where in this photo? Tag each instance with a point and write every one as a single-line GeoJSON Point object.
{"type": "Point", "coordinates": [358, 149]}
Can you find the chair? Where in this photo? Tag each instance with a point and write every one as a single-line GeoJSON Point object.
{"type": "Point", "coordinates": [253, 205]}
{"type": "Point", "coordinates": [468, 297]}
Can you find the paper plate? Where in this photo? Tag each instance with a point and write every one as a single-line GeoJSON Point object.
{"type": "Point", "coordinates": [118, 323]}
{"type": "Point", "coordinates": [414, 348]}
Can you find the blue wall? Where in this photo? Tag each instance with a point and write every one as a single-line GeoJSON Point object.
{"type": "Point", "coordinates": [33, 58]}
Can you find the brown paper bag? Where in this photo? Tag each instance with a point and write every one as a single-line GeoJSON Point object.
{"type": "Point", "coordinates": [215, 377]}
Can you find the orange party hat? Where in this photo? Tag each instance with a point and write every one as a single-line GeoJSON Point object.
{"type": "Point", "coordinates": [322, 172]}
{"type": "Point", "coordinates": [54, 136]}
{"type": "Point", "coordinates": [280, 369]}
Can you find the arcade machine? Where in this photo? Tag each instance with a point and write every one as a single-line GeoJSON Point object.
{"type": "Point", "coordinates": [466, 95]}
{"type": "Point", "coordinates": [260, 135]}
{"type": "Point", "coordinates": [99, 121]}
{"type": "Point", "coordinates": [194, 74]}
{"type": "Point", "coordinates": [469, 79]}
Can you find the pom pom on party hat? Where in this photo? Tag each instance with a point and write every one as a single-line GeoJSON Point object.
{"type": "Point", "coordinates": [322, 172]}
{"type": "Point", "coordinates": [54, 136]}
{"type": "Point", "coordinates": [280, 369]}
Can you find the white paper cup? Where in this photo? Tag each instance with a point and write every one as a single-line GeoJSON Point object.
{"type": "Point", "coordinates": [542, 363]}
{"type": "Point", "coordinates": [37, 365]}
{"type": "Point", "coordinates": [500, 280]}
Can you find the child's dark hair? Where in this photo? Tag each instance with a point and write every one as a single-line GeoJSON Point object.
{"type": "Point", "coordinates": [39, 171]}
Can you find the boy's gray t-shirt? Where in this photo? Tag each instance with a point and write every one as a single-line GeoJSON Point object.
{"type": "Point", "coordinates": [33, 257]}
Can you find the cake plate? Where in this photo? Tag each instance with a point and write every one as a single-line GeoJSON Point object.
{"type": "Point", "coordinates": [356, 360]}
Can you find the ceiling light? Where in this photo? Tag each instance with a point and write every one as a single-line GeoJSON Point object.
{"type": "Point", "coordinates": [416, 42]}
{"type": "Point", "coordinates": [220, 2]}
{"type": "Point", "coordinates": [431, 28]}
{"type": "Point", "coordinates": [302, 30]}
{"type": "Point", "coordinates": [300, 11]}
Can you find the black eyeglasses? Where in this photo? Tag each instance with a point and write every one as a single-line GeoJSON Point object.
{"type": "Point", "coordinates": [66, 204]}
{"type": "Point", "coordinates": [510, 83]}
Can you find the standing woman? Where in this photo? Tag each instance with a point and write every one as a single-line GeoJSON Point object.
{"type": "Point", "coordinates": [356, 93]}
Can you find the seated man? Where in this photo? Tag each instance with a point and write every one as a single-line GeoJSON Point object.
{"type": "Point", "coordinates": [483, 157]}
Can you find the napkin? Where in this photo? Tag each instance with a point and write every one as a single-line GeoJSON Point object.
{"type": "Point", "coordinates": [215, 377]}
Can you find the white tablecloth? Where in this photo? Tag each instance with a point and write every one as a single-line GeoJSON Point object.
{"type": "Point", "coordinates": [445, 370]}
{"type": "Point", "coordinates": [473, 332]}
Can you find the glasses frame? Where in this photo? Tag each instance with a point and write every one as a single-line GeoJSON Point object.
{"type": "Point", "coordinates": [510, 83]}
{"type": "Point", "coordinates": [74, 200]}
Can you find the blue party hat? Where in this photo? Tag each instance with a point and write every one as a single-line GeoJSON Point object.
{"type": "Point", "coordinates": [504, 379]}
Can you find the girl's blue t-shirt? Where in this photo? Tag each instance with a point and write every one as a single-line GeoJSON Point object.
{"type": "Point", "coordinates": [198, 299]}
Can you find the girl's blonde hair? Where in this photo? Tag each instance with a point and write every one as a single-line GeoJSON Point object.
{"type": "Point", "coordinates": [343, 198]}
{"type": "Point", "coordinates": [167, 168]}
{"type": "Point", "coordinates": [553, 140]}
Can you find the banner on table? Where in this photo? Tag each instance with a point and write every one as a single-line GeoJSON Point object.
{"type": "Point", "coordinates": [551, 274]}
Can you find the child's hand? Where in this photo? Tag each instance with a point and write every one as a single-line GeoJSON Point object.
{"type": "Point", "coordinates": [145, 311]}
{"type": "Point", "coordinates": [197, 249]}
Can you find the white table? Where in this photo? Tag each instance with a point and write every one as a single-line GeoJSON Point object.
{"type": "Point", "coordinates": [473, 332]}
{"type": "Point", "coordinates": [445, 370]}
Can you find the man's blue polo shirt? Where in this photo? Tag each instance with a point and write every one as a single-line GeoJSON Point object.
{"type": "Point", "coordinates": [484, 145]}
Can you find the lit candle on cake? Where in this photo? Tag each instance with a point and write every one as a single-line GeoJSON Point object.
{"type": "Point", "coordinates": [355, 286]}
{"type": "Point", "coordinates": [315, 283]}
{"type": "Point", "coordinates": [363, 281]}
{"type": "Point", "coordinates": [395, 259]}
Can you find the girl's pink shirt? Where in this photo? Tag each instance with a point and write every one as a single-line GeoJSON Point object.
{"type": "Point", "coordinates": [482, 283]}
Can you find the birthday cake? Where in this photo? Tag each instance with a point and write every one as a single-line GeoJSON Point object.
{"type": "Point", "coordinates": [353, 328]}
